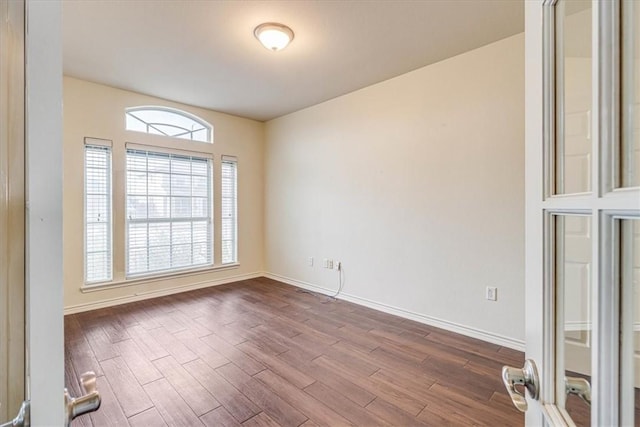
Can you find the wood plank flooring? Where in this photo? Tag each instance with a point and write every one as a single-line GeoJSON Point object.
{"type": "Point", "coordinates": [262, 353]}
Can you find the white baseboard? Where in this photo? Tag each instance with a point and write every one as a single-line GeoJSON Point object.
{"type": "Point", "coordinates": [421, 318]}
{"type": "Point", "coordinates": [139, 296]}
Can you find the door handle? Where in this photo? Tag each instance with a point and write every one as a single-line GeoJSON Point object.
{"type": "Point", "coordinates": [89, 402]}
{"type": "Point", "coordinates": [580, 387]}
{"type": "Point", "coordinates": [527, 377]}
{"type": "Point", "coordinates": [22, 419]}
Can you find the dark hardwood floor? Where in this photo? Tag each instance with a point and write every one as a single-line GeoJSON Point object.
{"type": "Point", "coordinates": [261, 353]}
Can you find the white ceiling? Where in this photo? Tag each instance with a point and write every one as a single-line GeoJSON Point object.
{"type": "Point", "coordinates": [204, 53]}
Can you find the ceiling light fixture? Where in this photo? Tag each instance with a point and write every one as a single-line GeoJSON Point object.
{"type": "Point", "coordinates": [273, 36]}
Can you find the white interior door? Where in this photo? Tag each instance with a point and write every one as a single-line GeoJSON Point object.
{"type": "Point", "coordinates": [31, 315]}
{"type": "Point", "coordinates": [583, 211]}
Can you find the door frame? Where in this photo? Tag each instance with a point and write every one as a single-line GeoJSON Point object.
{"type": "Point", "coordinates": [44, 280]}
{"type": "Point", "coordinates": [534, 218]}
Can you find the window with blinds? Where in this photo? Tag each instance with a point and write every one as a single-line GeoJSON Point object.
{"type": "Point", "coordinates": [229, 210]}
{"type": "Point", "coordinates": [168, 212]}
{"type": "Point", "coordinates": [97, 188]}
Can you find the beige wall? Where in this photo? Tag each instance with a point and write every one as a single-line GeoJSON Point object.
{"type": "Point", "coordinates": [93, 110]}
{"type": "Point", "coordinates": [416, 185]}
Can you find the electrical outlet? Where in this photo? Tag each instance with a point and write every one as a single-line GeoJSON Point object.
{"type": "Point", "coordinates": [337, 265]}
{"type": "Point", "coordinates": [330, 264]}
{"type": "Point", "coordinates": [310, 261]}
{"type": "Point", "coordinates": [492, 293]}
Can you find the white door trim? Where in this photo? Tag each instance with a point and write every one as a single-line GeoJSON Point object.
{"type": "Point", "coordinates": [534, 193]}
{"type": "Point", "coordinates": [45, 335]}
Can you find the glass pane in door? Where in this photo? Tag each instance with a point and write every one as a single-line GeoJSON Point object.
{"type": "Point", "coordinates": [573, 267]}
{"type": "Point", "coordinates": [630, 321]}
{"type": "Point", "coordinates": [630, 149]}
{"type": "Point", "coordinates": [573, 97]}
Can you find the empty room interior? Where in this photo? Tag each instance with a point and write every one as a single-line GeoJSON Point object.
{"type": "Point", "coordinates": [324, 232]}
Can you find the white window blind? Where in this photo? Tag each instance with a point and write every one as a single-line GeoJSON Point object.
{"type": "Point", "coordinates": [229, 210]}
{"type": "Point", "coordinates": [168, 212]}
{"type": "Point", "coordinates": [97, 187]}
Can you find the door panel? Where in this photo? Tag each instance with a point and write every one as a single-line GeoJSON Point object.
{"type": "Point", "coordinates": [573, 97]}
{"type": "Point", "coordinates": [12, 328]}
{"type": "Point", "coordinates": [629, 238]}
{"type": "Point", "coordinates": [631, 252]}
{"type": "Point", "coordinates": [630, 111]}
{"type": "Point", "coordinates": [573, 313]}
{"type": "Point", "coordinates": [574, 286]}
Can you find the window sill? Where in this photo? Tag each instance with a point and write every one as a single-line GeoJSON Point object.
{"type": "Point", "coordinates": [155, 278]}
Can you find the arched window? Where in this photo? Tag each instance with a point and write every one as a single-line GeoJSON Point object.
{"type": "Point", "coordinates": [168, 122]}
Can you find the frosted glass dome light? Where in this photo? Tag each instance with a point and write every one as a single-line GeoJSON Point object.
{"type": "Point", "coordinates": [273, 36]}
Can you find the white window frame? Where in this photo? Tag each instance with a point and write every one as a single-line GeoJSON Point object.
{"type": "Point", "coordinates": [209, 218]}
{"type": "Point", "coordinates": [103, 145]}
{"type": "Point", "coordinates": [186, 135]}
